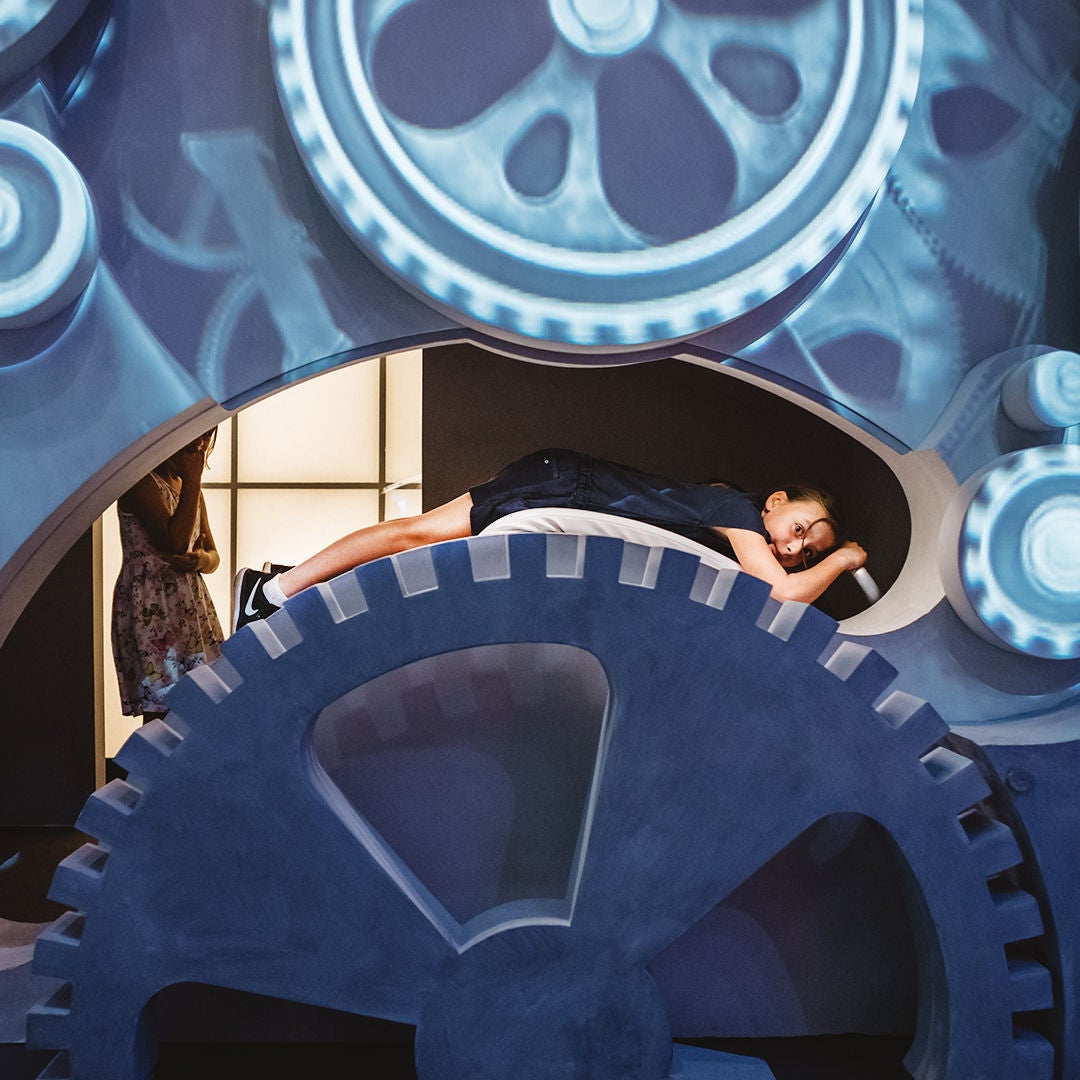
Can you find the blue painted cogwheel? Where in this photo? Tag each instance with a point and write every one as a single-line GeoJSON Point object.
{"type": "Point", "coordinates": [230, 857]}
{"type": "Point", "coordinates": [597, 173]}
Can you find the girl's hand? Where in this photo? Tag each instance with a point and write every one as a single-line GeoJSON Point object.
{"type": "Point", "coordinates": [189, 562]}
{"type": "Point", "coordinates": [190, 463]}
{"type": "Point", "coordinates": [852, 554]}
{"type": "Point", "coordinates": [186, 563]}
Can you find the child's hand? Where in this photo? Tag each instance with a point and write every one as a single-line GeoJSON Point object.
{"type": "Point", "coordinates": [190, 463]}
{"type": "Point", "coordinates": [185, 563]}
{"type": "Point", "coordinates": [852, 554]}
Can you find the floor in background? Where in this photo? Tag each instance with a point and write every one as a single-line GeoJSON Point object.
{"type": "Point", "coordinates": [28, 858]}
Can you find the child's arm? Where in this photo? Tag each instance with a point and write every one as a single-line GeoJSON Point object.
{"type": "Point", "coordinates": [171, 533]}
{"type": "Point", "coordinates": [203, 555]}
{"type": "Point", "coordinates": [806, 585]}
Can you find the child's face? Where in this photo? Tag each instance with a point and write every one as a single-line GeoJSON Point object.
{"type": "Point", "coordinates": [799, 529]}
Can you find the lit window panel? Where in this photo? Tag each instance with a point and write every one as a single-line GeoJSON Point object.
{"type": "Point", "coordinates": [325, 430]}
{"type": "Point", "coordinates": [219, 465]}
{"type": "Point", "coordinates": [403, 502]}
{"type": "Point", "coordinates": [404, 397]}
{"type": "Point", "coordinates": [286, 525]}
{"type": "Point", "coordinates": [219, 512]}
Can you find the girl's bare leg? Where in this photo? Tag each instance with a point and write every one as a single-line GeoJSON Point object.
{"type": "Point", "coordinates": [447, 522]}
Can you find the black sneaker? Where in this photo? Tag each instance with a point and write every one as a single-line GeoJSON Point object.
{"type": "Point", "coordinates": [273, 568]}
{"type": "Point", "coordinates": [249, 604]}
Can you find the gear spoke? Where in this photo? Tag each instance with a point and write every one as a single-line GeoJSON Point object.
{"type": "Point", "coordinates": [577, 215]}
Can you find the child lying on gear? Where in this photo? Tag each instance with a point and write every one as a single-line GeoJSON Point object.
{"type": "Point", "coordinates": [795, 528]}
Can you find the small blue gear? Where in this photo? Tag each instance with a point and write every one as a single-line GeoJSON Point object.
{"type": "Point", "coordinates": [731, 725]}
{"type": "Point", "coordinates": [48, 228]}
{"type": "Point", "coordinates": [519, 201]}
{"type": "Point", "coordinates": [1012, 562]}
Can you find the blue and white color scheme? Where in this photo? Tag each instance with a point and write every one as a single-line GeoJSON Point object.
{"type": "Point", "coordinates": [866, 207]}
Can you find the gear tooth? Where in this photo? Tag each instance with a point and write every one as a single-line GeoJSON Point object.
{"type": "Point", "coordinates": [564, 555]}
{"type": "Point", "coordinates": [957, 776]}
{"type": "Point", "coordinates": [147, 747]}
{"type": "Point", "coordinates": [991, 843]}
{"type": "Point", "coordinates": [711, 586]}
{"type": "Point", "coordinates": [107, 808]}
{"type": "Point", "coordinates": [803, 627]}
{"type": "Point", "coordinates": [217, 680]}
{"type": "Point", "coordinates": [1017, 911]}
{"type": "Point", "coordinates": [1031, 1056]}
{"type": "Point", "coordinates": [272, 637]}
{"type": "Point", "coordinates": [489, 557]}
{"type": "Point", "coordinates": [640, 565]}
{"type": "Point", "coordinates": [730, 590]}
{"type": "Point", "coordinates": [866, 672]}
{"type": "Point", "coordinates": [415, 571]}
{"type": "Point", "coordinates": [56, 947]}
{"type": "Point", "coordinates": [1030, 986]}
{"type": "Point", "coordinates": [343, 596]}
{"type": "Point", "coordinates": [47, 1021]}
{"type": "Point", "coordinates": [914, 720]}
{"type": "Point", "coordinates": [78, 878]}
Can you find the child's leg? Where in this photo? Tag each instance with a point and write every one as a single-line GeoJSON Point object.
{"type": "Point", "coordinates": [447, 522]}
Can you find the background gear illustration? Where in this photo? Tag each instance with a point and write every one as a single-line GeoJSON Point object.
{"type": "Point", "coordinates": [558, 241]}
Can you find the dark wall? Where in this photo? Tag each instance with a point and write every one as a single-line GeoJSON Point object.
{"type": "Point", "coordinates": [482, 411]}
{"type": "Point", "coordinates": [47, 714]}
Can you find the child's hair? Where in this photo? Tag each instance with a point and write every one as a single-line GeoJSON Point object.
{"type": "Point", "coordinates": [210, 445]}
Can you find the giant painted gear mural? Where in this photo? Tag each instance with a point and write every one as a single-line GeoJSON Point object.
{"type": "Point", "coordinates": [527, 183]}
{"type": "Point", "coordinates": [230, 856]}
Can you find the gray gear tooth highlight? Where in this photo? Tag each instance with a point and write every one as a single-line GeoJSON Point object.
{"type": "Point", "coordinates": [106, 810]}
{"type": "Point", "coordinates": [343, 597]}
{"type": "Point", "coordinates": [712, 586]}
{"type": "Point", "coordinates": [640, 565]}
{"type": "Point", "coordinates": [866, 672]}
{"type": "Point", "coordinates": [55, 951]}
{"type": "Point", "coordinates": [957, 777]}
{"type": "Point", "coordinates": [802, 627]}
{"type": "Point", "coordinates": [148, 747]}
{"type": "Point", "coordinates": [915, 721]}
{"type": "Point", "coordinates": [489, 557]}
{"type": "Point", "coordinates": [217, 680]}
{"type": "Point", "coordinates": [278, 634]}
{"type": "Point", "coordinates": [77, 881]}
{"type": "Point", "coordinates": [415, 571]}
{"type": "Point", "coordinates": [565, 555]}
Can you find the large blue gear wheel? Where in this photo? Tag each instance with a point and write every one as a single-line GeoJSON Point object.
{"type": "Point", "coordinates": [731, 725]}
{"type": "Point", "coordinates": [524, 180]}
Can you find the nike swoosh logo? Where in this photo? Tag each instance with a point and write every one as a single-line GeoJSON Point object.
{"type": "Point", "coordinates": [248, 609]}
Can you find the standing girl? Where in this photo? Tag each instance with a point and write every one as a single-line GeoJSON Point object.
{"type": "Point", "coordinates": [163, 620]}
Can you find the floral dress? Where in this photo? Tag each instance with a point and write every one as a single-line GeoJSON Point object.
{"type": "Point", "coordinates": [163, 621]}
